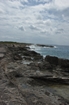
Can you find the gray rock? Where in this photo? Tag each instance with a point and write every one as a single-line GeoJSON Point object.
{"type": "Point", "coordinates": [3, 103]}
{"type": "Point", "coordinates": [1, 55]}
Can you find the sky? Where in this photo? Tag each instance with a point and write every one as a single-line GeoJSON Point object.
{"type": "Point", "coordinates": [35, 21]}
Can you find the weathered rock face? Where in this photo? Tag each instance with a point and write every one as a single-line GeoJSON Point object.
{"type": "Point", "coordinates": [18, 52]}
{"type": "Point", "coordinates": [52, 60]}
{"type": "Point", "coordinates": [33, 54]}
{"type": "Point", "coordinates": [63, 63]}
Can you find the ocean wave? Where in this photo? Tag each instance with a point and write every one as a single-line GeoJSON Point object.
{"type": "Point", "coordinates": [34, 47]}
{"type": "Point", "coordinates": [55, 46]}
{"type": "Point", "coordinates": [37, 47]}
{"type": "Point", "coordinates": [46, 47]}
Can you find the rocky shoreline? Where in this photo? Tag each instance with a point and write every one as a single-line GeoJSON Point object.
{"type": "Point", "coordinates": [26, 78]}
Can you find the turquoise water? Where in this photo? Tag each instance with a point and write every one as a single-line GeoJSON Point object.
{"type": "Point", "coordinates": [59, 51]}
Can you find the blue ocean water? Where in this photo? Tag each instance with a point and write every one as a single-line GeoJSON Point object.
{"type": "Point", "coordinates": [59, 51]}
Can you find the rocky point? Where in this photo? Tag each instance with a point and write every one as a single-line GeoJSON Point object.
{"type": "Point", "coordinates": [28, 79]}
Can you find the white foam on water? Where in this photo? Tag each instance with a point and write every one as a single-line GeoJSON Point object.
{"type": "Point", "coordinates": [44, 56]}
{"type": "Point", "coordinates": [34, 47]}
{"type": "Point", "coordinates": [55, 46]}
{"type": "Point", "coordinates": [46, 47]}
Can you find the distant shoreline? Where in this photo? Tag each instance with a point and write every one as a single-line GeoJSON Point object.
{"type": "Point", "coordinates": [11, 42]}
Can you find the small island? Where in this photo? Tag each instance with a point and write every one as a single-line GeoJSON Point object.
{"type": "Point", "coordinates": [42, 45]}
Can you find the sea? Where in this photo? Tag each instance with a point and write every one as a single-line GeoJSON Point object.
{"type": "Point", "coordinates": [59, 51]}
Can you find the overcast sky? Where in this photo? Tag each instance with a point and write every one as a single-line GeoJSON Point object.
{"type": "Point", "coordinates": [36, 21]}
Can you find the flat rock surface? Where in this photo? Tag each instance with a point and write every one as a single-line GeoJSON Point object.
{"type": "Point", "coordinates": [2, 49]}
{"type": "Point", "coordinates": [1, 55]}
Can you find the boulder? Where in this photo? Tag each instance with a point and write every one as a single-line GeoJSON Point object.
{"type": "Point", "coordinates": [52, 59]}
{"type": "Point", "coordinates": [57, 61]}
{"type": "Point", "coordinates": [64, 63]}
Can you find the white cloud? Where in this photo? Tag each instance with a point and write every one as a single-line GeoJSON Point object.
{"type": "Point", "coordinates": [32, 18]}
{"type": "Point", "coordinates": [1, 10]}
{"type": "Point", "coordinates": [47, 22]}
{"type": "Point", "coordinates": [61, 4]}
